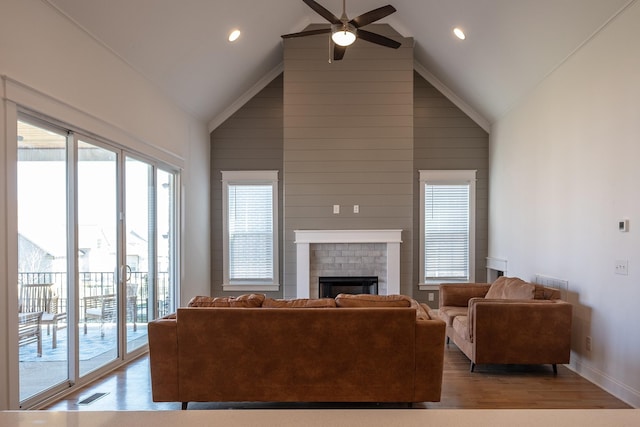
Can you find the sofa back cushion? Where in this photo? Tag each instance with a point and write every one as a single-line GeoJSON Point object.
{"type": "Point", "coordinates": [421, 312]}
{"type": "Point", "coordinates": [369, 300]}
{"type": "Point", "coordinates": [245, 301]}
{"type": "Point", "coordinates": [511, 288]}
{"type": "Point", "coordinates": [543, 292]}
{"type": "Point", "coordinates": [299, 303]}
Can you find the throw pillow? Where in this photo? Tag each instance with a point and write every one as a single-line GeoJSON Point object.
{"type": "Point", "coordinates": [511, 288]}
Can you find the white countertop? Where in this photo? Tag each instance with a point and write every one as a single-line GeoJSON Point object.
{"type": "Point", "coordinates": [327, 417]}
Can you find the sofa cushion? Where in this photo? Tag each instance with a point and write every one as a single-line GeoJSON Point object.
{"type": "Point", "coordinates": [458, 294]}
{"type": "Point", "coordinates": [543, 292]}
{"type": "Point", "coordinates": [421, 312]}
{"type": "Point", "coordinates": [369, 300]}
{"type": "Point", "coordinates": [205, 301]}
{"type": "Point", "coordinates": [461, 326]}
{"type": "Point", "coordinates": [511, 288]}
{"type": "Point", "coordinates": [299, 303]}
{"type": "Point", "coordinates": [246, 301]}
{"type": "Point", "coordinates": [448, 313]}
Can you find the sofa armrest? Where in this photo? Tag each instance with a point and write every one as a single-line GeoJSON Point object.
{"type": "Point", "coordinates": [530, 331]}
{"type": "Point", "coordinates": [431, 313]}
{"type": "Point", "coordinates": [429, 348]}
{"type": "Point", "coordinates": [163, 359]}
{"type": "Point", "coordinates": [458, 294]}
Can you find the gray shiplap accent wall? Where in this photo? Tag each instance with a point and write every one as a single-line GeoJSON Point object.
{"type": "Point", "coordinates": [352, 132]}
{"type": "Point", "coordinates": [446, 138]}
{"type": "Point", "coordinates": [251, 139]}
{"type": "Point", "coordinates": [348, 140]}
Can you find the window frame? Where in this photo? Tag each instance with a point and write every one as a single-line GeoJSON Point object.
{"type": "Point", "coordinates": [261, 177]}
{"type": "Point", "coordinates": [447, 177]}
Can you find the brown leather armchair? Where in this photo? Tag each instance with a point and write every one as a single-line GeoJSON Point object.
{"type": "Point", "coordinates": [533, 327]}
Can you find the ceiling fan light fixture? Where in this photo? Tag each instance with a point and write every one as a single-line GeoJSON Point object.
{"type": "Point", "coordinates": [343, 35]}
{"type": "Point", "coordinates": [234, 35]}
{"type": "Point", "coordinates": [459, 33]}
{"type": "Point", "coordinates": [345, 31]}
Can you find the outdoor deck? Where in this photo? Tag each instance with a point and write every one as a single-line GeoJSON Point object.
{"type": "Point", "coordinates": [94, 350]}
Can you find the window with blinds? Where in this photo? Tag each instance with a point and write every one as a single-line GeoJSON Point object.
{"type": "Point", "coordinates": [446, 236]}
{"type": "Point", "coordinates": [250, 230]}
{"type": "Point", "coordinates": [447, 226]}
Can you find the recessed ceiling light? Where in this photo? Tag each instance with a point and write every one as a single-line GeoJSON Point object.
{"type": "Point", "coordinates": [459, 33]}
{"type": "Point", "coordinates": [233, 35]}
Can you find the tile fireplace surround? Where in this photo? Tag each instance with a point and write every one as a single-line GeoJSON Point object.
{"type": "Point", "coordinates": [304, 240]}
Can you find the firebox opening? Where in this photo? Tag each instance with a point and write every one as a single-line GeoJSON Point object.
{"type": "Point", "coordinates": [331, 286]}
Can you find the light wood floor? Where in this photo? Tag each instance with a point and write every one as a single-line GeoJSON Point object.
{"type": "Point", "coordinates": [497, 387]}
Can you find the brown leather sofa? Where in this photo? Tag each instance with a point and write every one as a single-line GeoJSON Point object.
{"type": "Point", "coordinates": [507, 322]}
{"type": "Point", "coordinates": [365, 348]}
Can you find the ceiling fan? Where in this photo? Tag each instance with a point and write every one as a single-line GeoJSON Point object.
{"type": "Point", "coordinates": [344, 31]}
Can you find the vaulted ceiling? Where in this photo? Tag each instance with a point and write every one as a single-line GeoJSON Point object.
{"type": "Point", "coordinates": [181, 45]}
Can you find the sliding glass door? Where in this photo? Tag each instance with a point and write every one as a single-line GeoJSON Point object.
{"type": "Point", "coordinates": [139, 274]}
{"type": "Point", "coordinates": [166, 238]}
{"type": "Point", "coordinates": [43, 284]}
{"type": "Point", "coordinates": [97, 255]}
{"type": "Point", "coordinates": [150, 235]}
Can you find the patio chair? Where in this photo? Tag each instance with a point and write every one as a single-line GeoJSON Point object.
{"type": "Point", "coordinates": [132, 304]}
{"type": "Point", "coordinates": [30, 330]}
{"type": "Point", "coordinates": [102, 308]}
{"type": "Point", "coordinates": [40, 297]}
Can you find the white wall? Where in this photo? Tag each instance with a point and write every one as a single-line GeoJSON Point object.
{"type": "Point", "coordinates": [565, 167]}
{"type": "Point", "coordinates": [56, 68]}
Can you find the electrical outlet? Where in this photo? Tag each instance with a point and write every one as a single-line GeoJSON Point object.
{"type": "Point", "coordinates": [587, 343]}
{"type": "Point", "coordinates": [336, 209]}
{"type": "Point", "coordinates": [431, 297]}
{"type": "Point", "coordinates": [622, 267]}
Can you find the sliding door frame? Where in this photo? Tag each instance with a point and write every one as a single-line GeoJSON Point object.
{"type": "Point", "coordinates": [13, 113]}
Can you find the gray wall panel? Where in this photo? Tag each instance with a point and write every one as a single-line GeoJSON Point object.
{"type": "Point", "coordinates": [445, 138]}
{"type": "Point", "coordinates": [352, 132]}
{"type": "Point", "coordinates": [251, 139]}
{"type": "Point", "coordinates": [324, 150]}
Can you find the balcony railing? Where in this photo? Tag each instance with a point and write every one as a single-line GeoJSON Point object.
{"type": "Point", "coordinates": [92, 284]}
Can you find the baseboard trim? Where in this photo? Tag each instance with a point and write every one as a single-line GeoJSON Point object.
{"type": "Point", "coordinates": [604, 381]}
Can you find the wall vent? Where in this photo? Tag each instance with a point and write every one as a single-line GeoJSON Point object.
{"type": "Point", "coordinates": [89, 400]}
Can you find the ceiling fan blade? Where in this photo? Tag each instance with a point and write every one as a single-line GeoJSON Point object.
{"type": "Point", "coordinates": [307, 33]}
{"type": "Point", "coordinates": [320, 10]}
{"type": "Point", "coordinates": [378, 39]}
{"type": "Point", "coordinates": [338, 52]}
{"type": "Point", "coordinates": [372, 16]}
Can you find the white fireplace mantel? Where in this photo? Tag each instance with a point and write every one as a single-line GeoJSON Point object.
{"type": "Point", "coordinates": [304, 239]}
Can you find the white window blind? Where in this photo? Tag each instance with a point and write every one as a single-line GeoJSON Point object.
{"type": "Point", "coordinates": [446, 231]}
{"type": "Point", "coordinates": [250, 232]}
